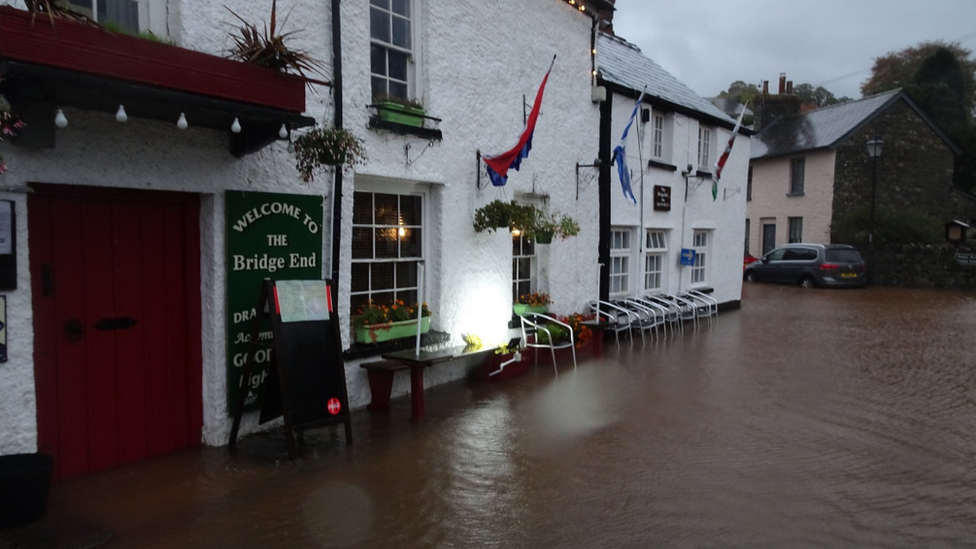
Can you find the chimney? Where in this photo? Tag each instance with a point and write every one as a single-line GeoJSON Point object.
{"type": "Point", "coordinates": [770, 108]}
{"type": "Point", "coordinates": [789, 87]}
{"type": "Point", "coordinates": [782, 83]}
{"type": "Point", "coordinates": [765, 87]}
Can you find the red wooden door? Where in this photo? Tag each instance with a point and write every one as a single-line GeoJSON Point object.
{"type": "Point", "coordinates": [115, 279]}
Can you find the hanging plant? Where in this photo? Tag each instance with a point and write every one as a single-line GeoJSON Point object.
{"type": "Point", "coordinates": [547, 226]}
{"type": "Point", "coordinates": [267, 49]}
{"type": "Point", "coordinates": [497, 215]}
{"type": "Point", "coordinates": [322, 146]}
{"type": "Point", "coordinates": [10, 125]}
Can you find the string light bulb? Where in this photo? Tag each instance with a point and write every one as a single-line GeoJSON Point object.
{"type": "Point", "coordinates": [120, 114]}
{"type": "Point", "coordinates": [291, 146]}
{"type": "Point", "coordinates": [60, 120]}
{"type": "Point", "coordinates": [236, 126]}
{"type": "Point", "coordinates": [283, 132]}
{"type": "Point", "coordinates": [181, 123]}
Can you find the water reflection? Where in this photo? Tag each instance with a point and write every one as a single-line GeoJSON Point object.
{"type": "Point", "coordinates": [807, 419]}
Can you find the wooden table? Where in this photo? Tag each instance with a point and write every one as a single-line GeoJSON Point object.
{"type": "Point", "coordinates": [417, 363]}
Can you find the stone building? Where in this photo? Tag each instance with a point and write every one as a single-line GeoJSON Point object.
{"type": "Point", "coordinates": [810, 169]}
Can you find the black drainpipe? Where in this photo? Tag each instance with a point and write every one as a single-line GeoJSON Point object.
{"type": "Point", "coordinates": [337, 121]}
{"type": "Point", "coordinates": [606, 116]}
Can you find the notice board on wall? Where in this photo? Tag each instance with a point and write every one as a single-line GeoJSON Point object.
{"type": "Point", "coordinates": [306, 382]}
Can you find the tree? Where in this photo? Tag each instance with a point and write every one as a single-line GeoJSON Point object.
{"type": "Point", "coordinates": [819, 96]}
{"type": "Point", "coordinates": [741, 92]}
{"type": "Point", "coordinates": [898, 69]}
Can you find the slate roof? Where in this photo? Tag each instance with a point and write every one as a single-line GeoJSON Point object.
{"type": "Point", "coordinates": [622, 63]}
{"type": "Point", "coordinates": [828, 127]}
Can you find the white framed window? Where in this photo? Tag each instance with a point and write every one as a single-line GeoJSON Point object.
{"type": "Point", "coordinates": [748, 227]}
{"type": "Point", "coordinates": [798, 167]}
{"type": "Point", "coordinates": [704, 147]}
{"type": "Point", "coordinates": [699, 271]}
{"type": "Point", "coordinates": [393, 56]}
{"type": "Point", "coordinates": [387, 246]}
{"type": "Point", "coordinates": [662, 125]}
{"type": "Point", "coordinates": [130, 16]}
{"type": "Point", "coordinates": [619, 262]}
{"type": "Point", "coordinates": [524, 279]}
{"type": "Point", "coordinates": [655, 258]}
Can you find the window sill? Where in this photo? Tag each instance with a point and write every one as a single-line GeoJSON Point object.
{"type": "Point", "coordinates": [661, 165]}
{"type": "Point", "coordinates": [404, 129]}
{"type": "Point", "coordinates": [795, 194]}
{"type": "Point", "coordinates": [364, 350]}
{"type": "Point", "coordinates": [703, 174]}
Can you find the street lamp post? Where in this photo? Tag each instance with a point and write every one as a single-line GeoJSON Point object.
{"type": "Point", "coordinates": [874, 151]}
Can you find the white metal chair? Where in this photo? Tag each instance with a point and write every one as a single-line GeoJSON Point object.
{"type": "Point", "coordinates": [673, 311]}
{"type": "Point", "coordinates": [703, 307]}
{"type": "Point", "coordinates": [649, 319]}
{"type": "Point", "coordinates": [535, 324]}
{"type": "Point", "coordinates": [620, 319]}
{"type": "Point", "coordinates": [712, 302]}
{"type": "Point", "coordinates": [665, 316]}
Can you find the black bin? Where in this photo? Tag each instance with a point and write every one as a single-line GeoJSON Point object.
{"type": "Point", "coordinates": [25, 482]}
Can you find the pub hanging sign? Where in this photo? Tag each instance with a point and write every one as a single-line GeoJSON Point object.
{"type": "Point", "coordinates": [269, 235]}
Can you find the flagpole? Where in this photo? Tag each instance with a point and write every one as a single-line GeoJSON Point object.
{"type": "Point", "coordinates": [640, 164]}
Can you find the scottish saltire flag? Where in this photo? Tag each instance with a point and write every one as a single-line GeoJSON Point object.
{"type": "Point", "coordinates": [620, 154]}
{"type": "Point", "coordinates": [725, 155]}
{"type": "Point", "coordinates": [499, 164]}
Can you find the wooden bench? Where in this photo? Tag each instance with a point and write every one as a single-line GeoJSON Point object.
{"type": "Point", "coordinates": [380, 375]}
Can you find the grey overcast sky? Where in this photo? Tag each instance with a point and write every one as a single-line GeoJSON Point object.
{"type": "Point", "coordinates": [708, 44]}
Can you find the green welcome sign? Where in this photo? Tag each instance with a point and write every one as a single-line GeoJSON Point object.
{"type": "Point", "coordinates": [269, 235]}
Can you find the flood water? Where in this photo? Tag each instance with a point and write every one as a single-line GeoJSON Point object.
{"type": "Point", "coordinates": [809, 418]}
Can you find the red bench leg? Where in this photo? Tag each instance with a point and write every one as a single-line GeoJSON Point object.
{"type": "Point", "coordinates": [380, 388]}
{"type": "Point", "coordinates": [416, 392]}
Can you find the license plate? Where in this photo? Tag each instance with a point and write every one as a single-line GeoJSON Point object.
{"type": "Point", "coordinates": [848, 275]}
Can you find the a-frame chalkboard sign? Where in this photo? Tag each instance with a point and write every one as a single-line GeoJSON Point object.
{"type": "Point", "coordinates": [307, 377]}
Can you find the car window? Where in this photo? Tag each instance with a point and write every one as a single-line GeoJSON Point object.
{"type": "Point", "coordinates": [843, 256]}
{"type": "Point", "coordinates": [775, 255]}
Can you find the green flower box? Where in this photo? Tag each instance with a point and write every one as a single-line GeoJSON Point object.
{"type": "Point", "coordinates": [400, 114]}
{"type": "Point", "coordinates": [377, 333]}
{"type": "Point", "coordinates": [521, 309]}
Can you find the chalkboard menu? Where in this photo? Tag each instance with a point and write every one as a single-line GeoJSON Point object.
{"type": "Point", "coordinates": [306, 380]}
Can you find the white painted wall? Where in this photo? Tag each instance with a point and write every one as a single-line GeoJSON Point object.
{"type": "Point", "coordinates": [770, 186]}
{"type": "Point", "coordinates": [479, 59]}
{"type": "Point", "coordinates": [725, 215]}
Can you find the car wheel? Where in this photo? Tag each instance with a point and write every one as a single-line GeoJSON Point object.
{"type": "Point", "coordinates": [807, 281]}
{"type": "Point", "coordinates": [751, 276]}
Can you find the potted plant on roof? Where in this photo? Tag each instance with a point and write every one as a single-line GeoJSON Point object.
{"type": "Point", "coordinates": [324, 146]}
{"type": "Point", "coordinates": [399, 110]}
{"type": "Point", "coordinates": [375, 323]}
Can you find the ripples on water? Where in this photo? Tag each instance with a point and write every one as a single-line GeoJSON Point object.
{"type": "Point", "coordinates": [807, 419]}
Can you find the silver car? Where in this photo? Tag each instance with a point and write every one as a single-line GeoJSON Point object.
{"type": "Point", "coordinates": [811, 265]}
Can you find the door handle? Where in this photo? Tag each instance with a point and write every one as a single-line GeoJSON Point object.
{"type": "Point", "coordinates": [73, 329]}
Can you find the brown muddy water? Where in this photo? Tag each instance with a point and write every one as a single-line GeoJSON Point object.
{"type": "Point", "coordinates": [809, 418]}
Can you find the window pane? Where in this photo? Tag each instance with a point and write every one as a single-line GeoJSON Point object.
{"type": "Point", "coordinates": [362, 243]}
{"type": "Point", "coordinates": [516, 245]}
{"type": "Point", "coordinates": [410, 210]}
{"type": "Point", "coordinates": [401, 32]}
{"type": "Point", "coordinates": [398, 89]}
{"type": "Point", "coordinates": [385, 4]}
{"type": "Point", "coordinates": [379, 25]}
{"type": "Point", "coordinates": [386, 243]}
{"type": "Point", "coordinates": [382, 278]}
{"type": "Point", "coordinates": [357, 302]}
{"type": "Point", "coordinates": [377, 60]}
{"type": "Point", "coordinates": [379, 86]}
{"type": "Point", "coordinates": [525, 267]}
{"type": "Point", "coordinates": [410, 243]}
{"type": "Point", "coordinates": [401, 7]}
{"type": "Point", "coordinates": [362, 209]}
{"type": "Point", "coordinates": [408, 296]}
{"type": "Point", "coordinates": [383, 298]}
{"type": "Point", "coordinates": [398, 65]}
{"type": "Point", "coordinates": [360, 277]}
{"type": "Point", "coordinates": [406, 274]}
{"type": "Point", "coordinates": [522, 288]}
{"type": "Point", "coordinates": [528, 248]}
{"type": "Point", "coordinates": [386, 209]}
